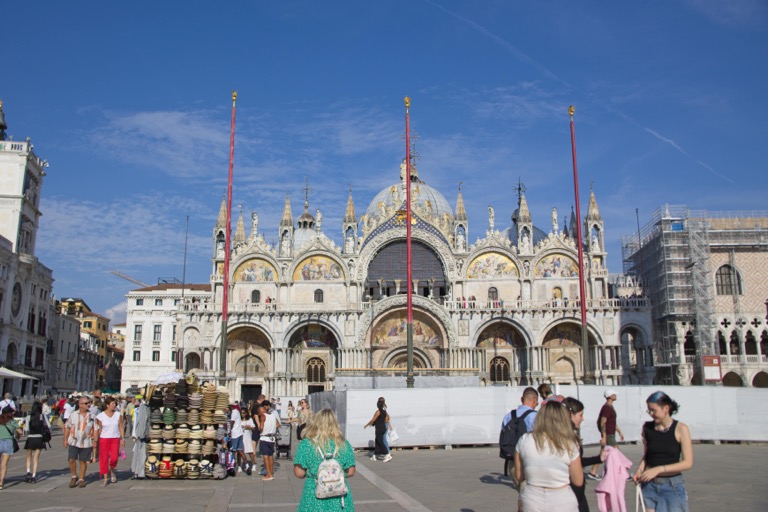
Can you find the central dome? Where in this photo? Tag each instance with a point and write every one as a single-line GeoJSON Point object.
{"type": "Point", "coordinates": [424, 199]}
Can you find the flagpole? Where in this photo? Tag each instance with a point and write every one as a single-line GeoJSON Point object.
{"type": "Point", "coordinates": [227, 235]}
{"type": "Point", "coordinates": [582, 287]}
{"type": "Point", "coordinates": [409, 379]}
{"type": "Point", "coordinates": [180, 341]}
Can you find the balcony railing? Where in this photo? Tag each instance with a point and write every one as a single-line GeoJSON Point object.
{"type": "Point", "coordinates": [452, 305]}
{"type": "Point", "coordinates": [552, 304]}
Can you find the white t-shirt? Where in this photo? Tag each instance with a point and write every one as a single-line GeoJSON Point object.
{"type": "Point", "coordinates": [110, 428]}
{"type": "Point", "coordinates": [237, 423]}
{"type": "Point", "coordinates": [270, 429]}
{"type": "Point", "coordinates": [544, 468]}
{"type": "Point", "coordinates": [68, 410]}
{"type": "Point", "coordinates": [7, 403]}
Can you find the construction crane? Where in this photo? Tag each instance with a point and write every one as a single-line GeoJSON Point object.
{"type": "Point", "coordinates": [129, 278]}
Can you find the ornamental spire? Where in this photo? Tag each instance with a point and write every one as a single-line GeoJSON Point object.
{"type": "Point", "coordinates": [349, 215]}
{"type": "Point", "coordinates": [221, 220]}
{"type": "Point", "coordinates": [461, 212]}
{"type": "Point", "coordinates": [287, 219]}
{"type": "Point", "coordinates": [593, 213]}
{"type": "Point", "coordinates": [240, 229]}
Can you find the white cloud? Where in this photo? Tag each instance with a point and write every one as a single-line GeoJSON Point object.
{"type": "Point", "coordinates": [180, 144]}
{"type": "Point", "coordinates": [732, 13]}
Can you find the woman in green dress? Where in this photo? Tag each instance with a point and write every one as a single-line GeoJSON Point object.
{"type": "Point", "coordinates": [323, 432]}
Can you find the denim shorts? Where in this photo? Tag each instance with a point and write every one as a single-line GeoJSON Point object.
{"type": "Point", "coordinates": [666, 494]}
{"type": "Point", "coordinates": [6, 446]}
{"type": "Point", "coordinates": [236, 444]}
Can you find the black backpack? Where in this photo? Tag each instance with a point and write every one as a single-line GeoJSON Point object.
{"type": "Point", "coordinates": [511, 434]}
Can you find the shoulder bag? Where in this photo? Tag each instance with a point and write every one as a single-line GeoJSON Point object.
{"type": "Point", "coordinates": [13, 438]}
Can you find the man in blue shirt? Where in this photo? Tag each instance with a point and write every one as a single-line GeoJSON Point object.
{"type": "Point", "coordinates": [530, 400]}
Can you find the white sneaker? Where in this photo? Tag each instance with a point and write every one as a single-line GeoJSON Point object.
{"type": "Point", "coordinates": [387, 458]}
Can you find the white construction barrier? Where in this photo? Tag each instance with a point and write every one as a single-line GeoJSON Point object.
{"type": "Point", "coordinates": [472, 415]}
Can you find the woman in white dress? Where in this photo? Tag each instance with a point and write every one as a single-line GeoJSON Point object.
{"type": "Point", "coordinates": [249, 445]}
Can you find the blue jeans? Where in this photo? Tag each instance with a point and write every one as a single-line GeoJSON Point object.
{"type": "Point", "coordinates": [666, 494]}
{"type": "Point", "coordinates": [386, 438]}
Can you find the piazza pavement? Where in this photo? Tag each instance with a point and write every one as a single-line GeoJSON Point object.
{"type": "Point", "coordinates": [466, 479]}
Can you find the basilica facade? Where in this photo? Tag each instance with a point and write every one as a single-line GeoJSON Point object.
{"type": "Point", "coordinates": [306, 314]}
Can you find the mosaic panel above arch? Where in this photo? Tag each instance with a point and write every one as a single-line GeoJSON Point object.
{"type": "Point", "coordinates": [556, 266]}
{"type": "Point", "coordinates": [318, 268]}
{"type": "Point", "coordinates": [313, 336]}
{"type": "Point", "coordinates": [563, 335]}
{"type": "Point", "coordinates": [247, 338]}
{"type": "Point", "coordinates": [391, 331]}
{"type": "Point", "coordinates": [492, 265]}
{"type": "Point", "coordinates": [255, 271]}
{"type": "Point", "coordinates": [500, 336]}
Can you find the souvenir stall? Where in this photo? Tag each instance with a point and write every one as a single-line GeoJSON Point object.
{"type": "Point", "coordinates": [183, 426]}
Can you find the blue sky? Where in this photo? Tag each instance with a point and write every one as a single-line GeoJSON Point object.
{"type": "Point", "coordinates": [130, 103]}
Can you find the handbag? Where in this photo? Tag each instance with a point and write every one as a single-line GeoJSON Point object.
{"type": "Point", "coordinates": [13, 438]}
{"type": "Point", "coordinates": [46, 431]}
{"type": "Point", "coordinates": [392, 436]}
{"type": "Point", "coordinates": [639, 501]}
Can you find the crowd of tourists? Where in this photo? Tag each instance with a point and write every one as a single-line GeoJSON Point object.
{"type": "Point", "coordinates": [540, 441]}
{"type": "Point", "coordinates": [549, 463]}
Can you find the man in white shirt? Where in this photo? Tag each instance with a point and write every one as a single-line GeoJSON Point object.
{"type": "Point", "coordinates": [68, 409]}
{"type": "Point", "coordinates": [270, 422]}
{"type": "Point", "coordinates": [7, 402]}
{"type": "Point", "coordinates": [236, 437]}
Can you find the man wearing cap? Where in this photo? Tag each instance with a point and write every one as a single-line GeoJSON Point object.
{"type": "Point", "coordinates": [236, 437]}
{"type": "Point", "coordinates": [606, 424]}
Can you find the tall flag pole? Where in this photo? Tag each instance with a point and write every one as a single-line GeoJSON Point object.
{"type": "Point", "coordinates": [409, 379]}
{"type": "Point", "coordinates": [180, 340]}
{"type": "Point", "coordinates": [582, 288]}
{"type": "Point", "coordinates": [227, 236]}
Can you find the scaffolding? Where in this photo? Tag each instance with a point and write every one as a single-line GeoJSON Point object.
{"type": "Point", "coordinates": [672, 254]}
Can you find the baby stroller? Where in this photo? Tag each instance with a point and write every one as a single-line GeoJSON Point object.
{"type": "Point", "coordinates": [283, 440]}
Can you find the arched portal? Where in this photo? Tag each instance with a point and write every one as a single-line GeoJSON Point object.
{"type": "Point", "coordinates": [248, 351]}
{"type": "Point", "coordinates": [191, 362]}
{"type": "Point", "coordinates": [389, 331]}
{"type": "Point", "coordinates": [11, 356]}
{"type": "Point", "coordinates": [562, 345]}
{"type": "Point", "coordinates": [632, 349]}
{"type": "Point", "coordinates": [314, 354]}
{"type": "Point", "coordinates": [760, 380]}
{"type": "Point", "coordinates": [501, 339]}
{"type": "Point", "coordinates": [732, 379]}
{"type": "Point", "coordinates": [750, 344]}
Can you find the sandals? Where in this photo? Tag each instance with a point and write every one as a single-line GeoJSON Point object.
{"type": "Point", "coordinates": [104, 482]}
{"type": "Point", "coordinates": [113, 477]}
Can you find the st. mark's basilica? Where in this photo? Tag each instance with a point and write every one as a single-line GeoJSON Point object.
{"type": "Point", "coordinates": [306, 314]}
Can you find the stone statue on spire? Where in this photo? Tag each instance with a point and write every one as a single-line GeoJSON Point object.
{"type": "Point", "coordinates": [254, 224]}
{"type": "Point", "coordinates": [491, 218]}
{"type": "Point", "coordinates": [555, 227]}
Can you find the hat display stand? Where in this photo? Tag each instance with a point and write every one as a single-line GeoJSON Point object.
{"type": "Point", "coordinates": [187, 423]}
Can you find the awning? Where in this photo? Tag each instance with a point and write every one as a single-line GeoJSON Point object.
{"type": "Point", "coordinates": [5, 373]}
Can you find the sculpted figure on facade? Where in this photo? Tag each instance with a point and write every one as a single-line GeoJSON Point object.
{"type": "Point", "coordinates": [555, 227]}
